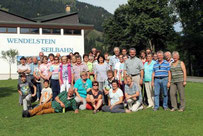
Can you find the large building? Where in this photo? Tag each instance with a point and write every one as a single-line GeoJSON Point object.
{"type": "Point", "coordinates": [57, 33]}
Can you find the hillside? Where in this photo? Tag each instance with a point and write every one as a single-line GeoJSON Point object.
{"type": "Point", "coordinates": [88, 14]}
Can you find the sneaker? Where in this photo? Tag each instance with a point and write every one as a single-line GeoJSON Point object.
{"type": "Point", "coordinates": [173, 110]}
{"type": "Point", "coordinates": [180, 110]}
{"type": "Point", "coordinates": [149, 107]}
{"type": "Point", "coordinates": [166, 109]}
{"type": "Point", "coordinates": [127, 111]}
{"type": "Point", "coordinates": [94, 112]}
{"type": "Point", "coordinates": [37, 100]}
{"type": "Point", "coordinates": [155, 109]}
{"type": "Point", "coordinates": [23, 114]}
{"type": "Point", "coordinates": [26, 113]}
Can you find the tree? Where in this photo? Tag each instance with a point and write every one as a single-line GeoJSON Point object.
{"type": "Point", "coordinates": [140, 23]}
{"type": "Point", "coordinates": [10, 57]}
{"type": "Point", "coordinates": [190, 16]}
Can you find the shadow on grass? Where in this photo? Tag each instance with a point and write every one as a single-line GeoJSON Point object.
{"type": "Point", "coordinates": [7, 91]}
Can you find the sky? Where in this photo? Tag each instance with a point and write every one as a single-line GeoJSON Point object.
{"type": "Point", "coordinates": [112, 5]}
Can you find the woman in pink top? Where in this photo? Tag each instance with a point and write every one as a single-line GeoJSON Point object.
{"type": "Point", "coordinates": [44, 70]}
{"type": "Point", "coordinates": [65, 73]}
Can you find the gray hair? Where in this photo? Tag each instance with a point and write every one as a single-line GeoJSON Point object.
{"type": "Point", "coordinates": [175, 52]}
{"type": "Point", "coordinates": [116, 48]}
{"type": "Point", "coordinates": [160, 52]}
{"type": "Point", "coordinates": [168, 52]}
{"type": "Point", "coordinates": [132, 49]}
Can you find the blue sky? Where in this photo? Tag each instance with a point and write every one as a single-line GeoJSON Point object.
{"type": "Point", "coordinates": [111, 5]}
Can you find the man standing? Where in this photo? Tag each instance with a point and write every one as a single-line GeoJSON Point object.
{"type": "Point", "coordinates": [168, 57]}
{"type": "Point", "coordinates": [161, 79]}
{"type": "Point", "coordinates": [115, 58]}
{"type": "Point", "coordinates": [33, 66]}
{"type": "Point", "coordinates": [134, 67]}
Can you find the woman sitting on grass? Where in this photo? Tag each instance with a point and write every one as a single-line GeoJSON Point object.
{"type": "Point", "coordinates": [115, 101]}
{"type": "Point", "coordinates": [94, 98]}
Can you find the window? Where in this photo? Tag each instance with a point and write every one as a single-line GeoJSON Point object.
{"type": "Point", "coordinates": [8, 30]}
{"type": "Point", "coordinates": [29, 30]}
{"type": "Point", "coordinates": [68, 31]}
{"type": "Point", "coordinates": [72, 32]}
{"type": "Point", "coordinates": [51, 31]}
{"type": "Point", "coordinates": [77, 32]}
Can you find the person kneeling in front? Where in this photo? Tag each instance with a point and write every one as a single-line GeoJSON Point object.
{"type": "Point", "coordinates": [133, 95]}
{"type": "Point", "coordinates": [63, 100]}
{"type": "Point", "coordinates": [115, 101]}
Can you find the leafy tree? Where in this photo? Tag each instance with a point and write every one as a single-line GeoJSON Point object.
{"type": "Point", "coordinates": [10, 57]}
{"type": "Point", "coordinates": [140, 23]}
{"type": "Point", "coordinates": [190, 16]}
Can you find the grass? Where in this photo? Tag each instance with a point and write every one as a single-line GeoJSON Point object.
{"type": "Point", "coordinates": [146, 122]}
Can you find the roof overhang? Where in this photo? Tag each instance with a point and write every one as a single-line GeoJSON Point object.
{"type": "Point", "coordinates": [46, 25]}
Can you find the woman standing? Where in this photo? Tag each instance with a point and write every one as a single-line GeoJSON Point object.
{"type": "Point", "coordinates": [178, 82]}
{"type": "Point", "coordinates": [54, 72]}
{"type": "Point", "coordinates": [37, 80]}
{"type": "Point", "coordinates": [148, 70]}
{"type": "Point", "coordinates": [115, 101]}
{"type": "Point", "coordinates": [65, 74]}
{"type": "Point", "coordinates": [73, 60]}
{"type": "Point", "coordinates": [100, 71]}
{"type": "Point", "coordinates": [44, 70]}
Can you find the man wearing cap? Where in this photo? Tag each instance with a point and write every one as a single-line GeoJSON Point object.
{"type": "Point", "coordinates": [22, 68]}
{"type": "Point", "coordinates": [134, 68]}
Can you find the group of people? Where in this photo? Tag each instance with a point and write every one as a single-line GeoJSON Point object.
{"type": "Point", "coordinates": [121, 83]}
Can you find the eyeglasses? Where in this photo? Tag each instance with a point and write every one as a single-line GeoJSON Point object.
{"type": "Point", "coordinates": [95, 85]}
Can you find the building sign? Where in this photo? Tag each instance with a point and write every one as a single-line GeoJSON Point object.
{"type": "Point", "coordinates": [32, 44]}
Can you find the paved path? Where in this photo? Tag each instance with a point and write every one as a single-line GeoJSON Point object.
{"type": "Point", "coordinates": [195, 79]}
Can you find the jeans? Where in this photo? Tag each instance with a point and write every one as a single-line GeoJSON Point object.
{"type": "Point", "coordinates": [26, 101]}
{"type": "Point", "coordinates": [116, 109]}
{"type": "Point", "coordinates": [160, 84]}
{"type": "Point", "coordinates": [55, 86]}
{"type": "Point", "coordinates": [39, 88]}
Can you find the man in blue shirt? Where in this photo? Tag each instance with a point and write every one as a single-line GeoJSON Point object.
{"type": "Point", "coordinates": [161, 79]}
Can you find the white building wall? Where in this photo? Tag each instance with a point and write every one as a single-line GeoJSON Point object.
{"type": "Point", "coordinates": [64, 44]}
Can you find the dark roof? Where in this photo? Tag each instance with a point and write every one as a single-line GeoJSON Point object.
{"type": "Point", "coordinates": [46, 25]}
{"type": "Point", "coordinates": [17, 15]}
{"type": "Point", "coordinates": [42, 21]}
{"type": "Point", "coordinates": [53, 16]}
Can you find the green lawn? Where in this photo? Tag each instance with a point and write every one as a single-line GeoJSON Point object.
{"type": "Point", "coordinates": [146, 122]}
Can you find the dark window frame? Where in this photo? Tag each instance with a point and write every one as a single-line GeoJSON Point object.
{"type": "Point", "coordinates": [52, 29]}
{"type": "Point", "coordinates": [9, 32]}
{"type": "Point", "coordinates": [29, 30]}
{"type": "Point", "coordinates": [72, 32]}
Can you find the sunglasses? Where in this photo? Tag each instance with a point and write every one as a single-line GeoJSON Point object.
{"type": "Point", "coordinates": [159, 66]}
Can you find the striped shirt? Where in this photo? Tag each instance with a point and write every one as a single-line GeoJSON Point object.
{"type": "Point", "coordinates": [177, 73]}
{"type": "Point", "coordinates": [161, 70]}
